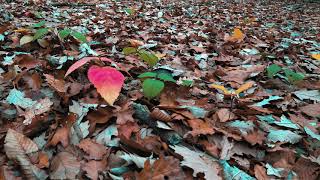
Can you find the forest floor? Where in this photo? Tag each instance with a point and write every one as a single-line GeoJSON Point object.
{"type": "Point", "coordinates": [160, 90]}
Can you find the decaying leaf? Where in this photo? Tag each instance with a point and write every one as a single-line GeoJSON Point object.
{"type": "Point", "coordinates": [94, 150]}
{"type": "Point", "coordinates": [92, 168]}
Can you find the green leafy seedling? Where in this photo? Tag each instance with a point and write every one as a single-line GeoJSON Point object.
{"type": "Point", "coordinates": [273, 70]}
{"type": "Point", "coordinates": [40, 33]}
{"type": "Point", "coordinates": [152, 87]}
{"type": "Point", "coordinates": [293, 77]}
{"type": "Point", "coordinates": [150, 58]}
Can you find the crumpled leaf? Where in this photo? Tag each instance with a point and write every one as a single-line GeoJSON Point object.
{"type": "Point", "coordinates": [165, 167]}
{"type": "Point", "coordinates": [199, 162]}
{"type": "Point", "coordinates": [83, 61]}
{"type": "Point", "coordinates": [108, 82]}
{"type": "Point", "coordinates": [18, 147]}
{"type": "Point", "coordinates": [64, 166]}
{"type": "Point", "coordinates": [199, 127]}
{"type": "Point", "coordinates": [284, 136]}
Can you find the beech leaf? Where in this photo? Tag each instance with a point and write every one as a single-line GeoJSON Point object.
{"type": "Point", "coordinates": [152, 87]}
{"type": "Point", "coordinates": [64, 166]}
{"type": "Point", "coordinates": [108, 82]}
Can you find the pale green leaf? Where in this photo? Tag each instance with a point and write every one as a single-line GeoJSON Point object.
{"type": "Point", "coordinates": [26, 39]}
{"type": "Point", "coordinates": [40, 33]}
{"type": "Point", "coordinates": [310, 95]}
{"type": "Point", "coordinates": [166, 77]}
{"type": "Point", "coordinates": [147, 74]}
{"type": "Point", "coordinates": [107, 136]}
{"type": "Point", "coordinates": [129, 50]}
{"type": "Point", "coordinates": [64, 33]}
{"type": "Point", "coordinates": [233, 173]}
{"type": "Point", "coordinates": [311, 133]}
{"type": "Point", "coordinates": [39, 24]}
{"type": "Point", "coordinates": [273, 171]}
{"type": "Point", "coordinates": [267, 101]}
{"type": "Point", "coordinates": [79, 36]}
{"type": "Point", "coordinates": [148, 57]}
{"type": "Point", "coordinates": [273, 70]}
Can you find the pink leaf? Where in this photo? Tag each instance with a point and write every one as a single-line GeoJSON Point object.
{"type": "Point", "coordinates": [108, 81]}
{"type": "Point", "coordinates": [83, 61]}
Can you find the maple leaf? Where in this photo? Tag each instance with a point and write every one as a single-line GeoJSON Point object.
{"type": "Point", "coordinates": [108, 82]}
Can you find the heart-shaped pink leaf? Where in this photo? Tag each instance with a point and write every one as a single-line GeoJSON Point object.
{"type": "Point", "coordinates": [108, 81]}
{"type": "Point", "coordinates": [83, 61]}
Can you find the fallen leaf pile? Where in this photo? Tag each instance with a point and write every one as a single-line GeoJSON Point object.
{"type": "Point", "coordinates": [160, 89]}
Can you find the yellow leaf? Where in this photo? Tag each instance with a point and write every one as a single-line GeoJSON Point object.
{"type": "Point", "coordinates": [316, 56]}
{"type": "Point", "coordinates": [22, 30]}
{"type": "Point", "coordinates": [244, 87]}
{"type": "Point", "coordinates": [222, 88]}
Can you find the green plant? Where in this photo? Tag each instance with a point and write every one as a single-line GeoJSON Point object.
{"type": "Point", "coordinates": [150, 58]}
{"type": "Point", "coordinates": [291, 76]}
{"type": "Point", "coordinates": [42, 30]}
{"type": "Point", "coordinates": [154, 82]}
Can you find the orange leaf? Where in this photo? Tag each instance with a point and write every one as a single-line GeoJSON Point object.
{"type": "Point", "coordinates": [108, 82]}
{"type": "Point", "coordinates": [316, 56]}
{"type": "Point", "coordinates": [237, 34]}
{"type": "Point", "coordinates": [135, 43]}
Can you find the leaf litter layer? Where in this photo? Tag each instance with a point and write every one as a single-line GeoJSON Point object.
{"type": "Point", "coordinates": [159, 90]}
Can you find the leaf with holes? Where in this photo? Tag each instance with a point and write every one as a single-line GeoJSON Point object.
{"type": "Point", "coordinates": [108, 82]}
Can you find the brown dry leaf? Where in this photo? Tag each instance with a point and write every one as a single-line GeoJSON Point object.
{"type": "Point", "coordinates": [18, 147]}
{"type": "Point", "coordinates": [163, 168]}
{"type": "Point", "coordinates": [225, 115]}
{"type": "Point", "coordinates": [199, 127]}
{"type": "Point", "coordinates": [255, 137]}
{"type": "Point", "coordinates": [100, 116]}
{"type": "Point", "coordinates": [127, 129]}
{"type": "Point", "coordinates": [57, 84]}
{"type": "Point", "coordinates": [27, 61]}
{"type": "Point", "coordinates": [64, 166]}
{"type": "Point", "coordinates": [33, 81]}
{"type": "Point", "coordinates": [124, 113]}
{"type": "Point", "coordinates": [312, 110]}
{"type": "Point", "coordinates": [62, 136]}
{"type": "Point", "coordinates": [43, 160]}
{"type": "Point", "coordinates": [92, 168]}
{"type": "Point", "coordinates": [306, 169]}
{"type": "Point", "coordinates": [42, 106]}
{"type": "Point", "coordinates": [239, 75]}
{"type": "Point", "coordinates": [260, 172]}
{"type": "Point", "coordinates": [95, 150]}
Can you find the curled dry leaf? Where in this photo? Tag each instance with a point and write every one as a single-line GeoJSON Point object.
{"type": "Point", "coordinates": [18, 147]}
{"type": "Point", "coordinates": [64, 166]}
{"type": "Point", "coordinates": [160, 115]}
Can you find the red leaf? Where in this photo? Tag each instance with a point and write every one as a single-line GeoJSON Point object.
{"type": "Point", "coordinates": [108, 82]}
{"type": "Point", "coordinates": [83, 61]}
